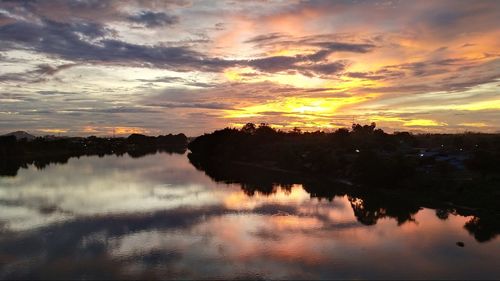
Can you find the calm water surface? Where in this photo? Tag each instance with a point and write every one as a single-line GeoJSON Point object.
{"type": "Point", "coordinates": [158, 217]}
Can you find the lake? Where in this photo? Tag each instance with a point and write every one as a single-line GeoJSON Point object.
{"type": "Point", "coordinates": [159, 217]}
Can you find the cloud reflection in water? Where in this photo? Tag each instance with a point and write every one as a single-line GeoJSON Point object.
{"type": "Point", "coordinates": [159, 217]}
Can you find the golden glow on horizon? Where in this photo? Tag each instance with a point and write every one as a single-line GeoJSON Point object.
{"type": "Point", "coordinates": [407, 122]}
{"type": "Point", "coordinates": [306, 125]}
{"type": "Point", "coordinates": [90, 129]}
{"type": "Point", "coordinates": [481, 105]}
{"type": "Point", "coordinates": [53, 131]}
{"type": "Point", "coordinates": [106, 130]}
{"type": "Point", "coordinates": [313, 112]}
{"type": "Point", "coordinates": [474, 124]}
{"type": "Point", "coordinates": [297, 105]}
{"type": "Point", "coordinates": [313, 123]}
{"type": "Point", "coordinates": [129, 130]}
{"type": "Point", "coordinates": [423, 123]}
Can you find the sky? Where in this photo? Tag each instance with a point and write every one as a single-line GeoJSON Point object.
{"type": "Point", "coordinates": [96, 67]}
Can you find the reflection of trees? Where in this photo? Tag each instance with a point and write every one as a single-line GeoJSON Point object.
{"type": "Point", "coordinates": [325, 190]}
{"type": "Point", "coordinates": [370, 209]}
{"type": "Point", "coordinates": [251, 179]}
{"type": "Point", "coordinates": [365, 215]}
{"type": "Point", "coordinates": [41, 153]}
{"type": "Point", "coordinates": [9, 167]}
{"type": "Point", "coordinates": [369, 204]}
{"type": "Point", "coordinates": [138, 152]}
{"type": "Point", "coordinates": [442, 214]}
{"type": "Point", "coordinates": [265, 188]}
{"type": "Point", "coordinates": [483, 228]}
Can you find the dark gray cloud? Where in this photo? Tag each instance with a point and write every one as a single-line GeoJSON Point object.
{"type": "Point", "coordinates": [327, 68]}
{"type": "Point", "coordinates": [301, 64]}
{"type": "Point", "coordinates": [81, 40]}
{"type": "Point", "coordinates": [12, 77]}
{"type": "Point", "coordinates": [471, 82]}
{"type": "Point", "coordinates": [346, 47]}
{"type": "Point", "coordinates": [112, 110]}
{"type": "Point", "coordinates": [480, 68]}
{"type": "Point", "coordinates": [165, 79]}
{"type": "Point", "coordinates": [4, 19]}
{"type": "Point", "coordinates": [92, 43]}
{"type": "Point", "coordinates": [54, 93]}
{"type": "Point", "coordinates": [274, 64]}
{"type": "Point", "coordinates": [64, 40]}
{"type": "Point", "coordinates": [46, 69]}
{"type": "Point", "coordinates": [315, 64]}
{"type": "Point", "coordinates": [266, 37]}
{"type": "Point", "coordinates": [72, 42]}
{"type": "Point", "coordinates": [49, 36]}
{"type": "Point", "coordinates": [87, 11]}
{"type": "Point", "coordinates": [328, 43]}
{"type": "Point", "coordinates": [482, 73]}
{"type": "Point", "coordinates": [153, 19]}
{"type": "Point", "coordinates": [42, 72]}
{"type": "Point", "coordinates": [20, 97]}
{"type": "Point", "coordinates": [179, 80]}
{"type": "Point", "coordinates": [382, 74]}
{"type": "Point", "coordinates": [207, 105]}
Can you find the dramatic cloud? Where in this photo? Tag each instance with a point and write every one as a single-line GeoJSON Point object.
{"type": "Point", "coordinates": [191, 67]}
{"type": "Point", "coordinates": [152, 19]}
{"type": "Point", "coordinates": [73, 42]}
{"type": "Point", "coordinates": [41, 73]}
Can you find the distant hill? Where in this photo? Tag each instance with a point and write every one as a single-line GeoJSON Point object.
{"type": "Point", "coordinates": [21, 135]}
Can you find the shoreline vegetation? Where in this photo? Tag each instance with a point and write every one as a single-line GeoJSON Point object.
{"type": "Point", "coordinates": [394, 175]}
{"type": "Point", "coordinates": [41, 151]}
{"type": "Point", "coordinates": [384, 175]}
{"type": "Point", "coordinates": [363, 154]}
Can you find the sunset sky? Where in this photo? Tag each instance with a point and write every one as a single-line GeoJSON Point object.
{"type": "Point", "coordinates": [88, 67]}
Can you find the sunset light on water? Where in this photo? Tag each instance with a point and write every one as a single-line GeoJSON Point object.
{"type": "Point", "coordinates": [249, 139]}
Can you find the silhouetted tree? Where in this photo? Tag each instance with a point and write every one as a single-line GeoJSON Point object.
{"type": "Point", "coordinates": [249, 128]}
